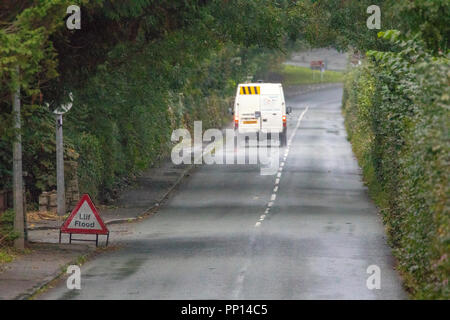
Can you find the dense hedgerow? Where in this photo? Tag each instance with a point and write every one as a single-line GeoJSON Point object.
{"type": "Point", "coordinates": [396, 108]}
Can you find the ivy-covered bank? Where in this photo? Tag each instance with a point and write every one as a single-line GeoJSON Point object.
{"type": "Point", "coordinates": [396, 109]}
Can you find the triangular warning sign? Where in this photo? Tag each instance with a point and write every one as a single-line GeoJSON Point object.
{"type": "Point", "coordinates": [84, 219]}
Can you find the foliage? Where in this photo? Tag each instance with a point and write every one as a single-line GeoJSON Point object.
{"type": "Point", "coordinates": [28, 60]}
{"type": "Point", "coordinates": [430, 18]}
{"type": "Point", "coordinates": [161, 65]}
{"type": "Point", "coordinates": [7, 233]}
{"type": "Point", "coordinates": [343, 23]}
{"type": "Point", "coordinates": [6, 255]}
{"type": "Point", "coordinates": [397, 115]}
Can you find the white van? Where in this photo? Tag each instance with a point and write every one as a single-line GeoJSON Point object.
{"type": "Point", "coordinates": [260, 107]}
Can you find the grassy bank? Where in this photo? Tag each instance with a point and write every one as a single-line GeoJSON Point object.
{"type": "Point", "coordinates": [295, 75]}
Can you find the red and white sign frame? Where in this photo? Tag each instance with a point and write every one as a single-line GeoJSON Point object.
{"type": "Point", "coordinates": [65, 226]}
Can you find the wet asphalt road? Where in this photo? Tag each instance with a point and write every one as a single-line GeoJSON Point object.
{"type": "Point", "coordinates": [224, 235]}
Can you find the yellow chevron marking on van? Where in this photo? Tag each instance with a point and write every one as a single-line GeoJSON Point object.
{"type": "Point", "coordinates": [250, 90]}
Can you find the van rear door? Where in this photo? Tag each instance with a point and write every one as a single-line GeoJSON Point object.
{"type": "Point", "coordinates": [247, 106]}
{"type": "Point", "coordinates": [271, 109]}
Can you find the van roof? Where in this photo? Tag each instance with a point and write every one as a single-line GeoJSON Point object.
{"type": "Point", "coordinates": [258, 84]}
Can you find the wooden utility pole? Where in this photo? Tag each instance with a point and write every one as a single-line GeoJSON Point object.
{"type": "Point", "coordinates": [17, 171]}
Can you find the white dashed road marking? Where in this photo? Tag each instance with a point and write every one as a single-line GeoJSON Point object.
{"type": "Point", "coordinates": [280, 169]}
{"type": "Point", "coordinates": [241, 276]}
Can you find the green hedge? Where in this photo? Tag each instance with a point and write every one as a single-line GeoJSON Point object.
{"type": "Point", "coordinates": [396, 110]}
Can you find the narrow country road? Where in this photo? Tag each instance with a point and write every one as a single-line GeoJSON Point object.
{"type": "Point", "coordinates": [308, 232]}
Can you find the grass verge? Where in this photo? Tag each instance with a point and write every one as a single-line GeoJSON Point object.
{"type": "Point", "coordinates": [7, 255]}
{"type": "Point", "coordinates": [295, 75]}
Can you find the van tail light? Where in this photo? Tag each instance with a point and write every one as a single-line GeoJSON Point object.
{"type": "Point", "coordinates": [284, 121]}
{"type": "Point", "coordinates": [236, 121]}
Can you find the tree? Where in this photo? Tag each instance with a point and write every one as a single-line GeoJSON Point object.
{"type": "Point", "coordinates": [26, 60]}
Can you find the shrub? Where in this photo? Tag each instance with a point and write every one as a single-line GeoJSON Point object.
{"type": "Point", "coordinates": [7, 233]}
